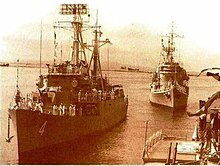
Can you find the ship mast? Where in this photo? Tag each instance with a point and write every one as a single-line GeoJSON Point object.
{"type": "Point", "coordinates": [40, 44]}
{"type": "Point", "coordinates": [95, 55]}
{"type": "Point", "coordinates": [77, 25]}
{"type": "Point", "coordinates": [96, 66]}
{"type": "Point", "coordinates": [170, 49]}
{"type": "Point", "coordinates": [97, 71]}
{"type": "Point", "coordinates": [17, 73]}
{"type": "Point", "coordinates": [77, 10]}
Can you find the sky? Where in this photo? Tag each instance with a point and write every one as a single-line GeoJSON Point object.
{"type": "Point", "coordinates": [197, 20]}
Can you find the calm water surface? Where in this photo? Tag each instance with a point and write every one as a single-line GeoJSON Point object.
{"type": "Point", "coordinates": [121, 145]}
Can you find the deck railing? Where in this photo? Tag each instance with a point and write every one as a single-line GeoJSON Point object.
{"type": "Point", "coordinates": [151, 141]}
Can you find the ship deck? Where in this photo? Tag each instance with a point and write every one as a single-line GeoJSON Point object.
{"type": "Point", "coordinates": [170, 150]}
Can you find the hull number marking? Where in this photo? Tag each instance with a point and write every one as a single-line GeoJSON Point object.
{"type": "Point", "coordinates": [41, 131]}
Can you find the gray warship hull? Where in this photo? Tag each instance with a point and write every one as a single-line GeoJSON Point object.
{"type": "Point", "coordinates": [173, 98]}
{"type": "Point", "coordinates": [36, 130]}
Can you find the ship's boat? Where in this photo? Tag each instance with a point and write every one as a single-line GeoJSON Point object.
{"type": "Point", "coordinates": [169, 85]}
{"type": "Point", "coordinates": [72, 100]}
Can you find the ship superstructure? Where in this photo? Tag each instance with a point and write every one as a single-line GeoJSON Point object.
{"type": "Point", "coordinates": [169, 85]}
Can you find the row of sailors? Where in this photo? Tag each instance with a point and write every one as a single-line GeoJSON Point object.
{"type": "Point", "coordinates": [99, 95]}
{"type": "Point", "coordinates": [65, 110]}
{"type": "Point", "coordinates": [58, 110]}
{"type": "Point", "coordinates": [71, 110]}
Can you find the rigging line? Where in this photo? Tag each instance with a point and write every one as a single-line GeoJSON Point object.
{"type": "Point", "coordinates": [100, 73]}
{"type": "Point", "coordinates": [108, 58]}
{"type": "Point", "coordinates": [82, 46]}
{"type": "Point", "coordinates": [179, 50]}
{"type": "Point", "coordinates": [17, 73]}
{"type": "Point", "coordinates": [61, 53]}
{"type": "Point", "coordinates": [40, 44]}
{"type": "Point", "coordinates": [55, 45]}
{"type": "Point", "coordinates": [96, 18]}
{"type": "Point", "coordinates": [90, 62]}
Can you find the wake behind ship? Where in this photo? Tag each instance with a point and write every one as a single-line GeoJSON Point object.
{"type": "Point", "coordinates": [73, 100]}
{"type": "Point", "coordinates": [169, 85]}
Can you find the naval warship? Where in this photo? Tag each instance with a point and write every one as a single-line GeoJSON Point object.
{"type": "Point", "coordinates": [169, 85]}
{"type": "Point", "coordinates": [73, 99]}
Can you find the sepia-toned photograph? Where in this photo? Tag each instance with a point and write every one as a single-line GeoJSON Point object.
{"type": "Point", "coordinates": [109, 82]}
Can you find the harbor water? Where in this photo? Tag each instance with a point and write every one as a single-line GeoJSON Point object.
{"type": "Point", "coordinates": [120, 145]}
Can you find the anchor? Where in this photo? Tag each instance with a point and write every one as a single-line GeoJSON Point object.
{"type": "Point", "coordinates": [9, 137]}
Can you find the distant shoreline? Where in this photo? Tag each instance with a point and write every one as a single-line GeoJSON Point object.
{"type": "Point", "coordinates": [44, 66]}
{"type": "Point", "coordinates": [32, 65]}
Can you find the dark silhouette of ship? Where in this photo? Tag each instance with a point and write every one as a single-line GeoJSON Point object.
{"type": "Point", "coordinates": [169, 85]}
{"type": "Point", "coordinates": [73, 100]}
{"type": "Point", "coordinates": [4, 64]}
{"type": "Point", "coordinates": [123, 67]}
{"type": "Point", "coordinates": [130, 69]}
{"type": "Point", "coordinates": [133, 69]}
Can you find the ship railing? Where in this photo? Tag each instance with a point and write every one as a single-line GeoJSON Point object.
{"type": "Point", "coordinates": [61, 110]}
{"type": "Point", "coordinates": [94, 97]}
{"type": "Point", "coordinates": [69, 69]}
{"type": "Point", "coordinates": [31, 102]}
{"type": "Point", "coordinates": [151, 141]}
{"type": "Point", "coordinates": [155, 138]}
